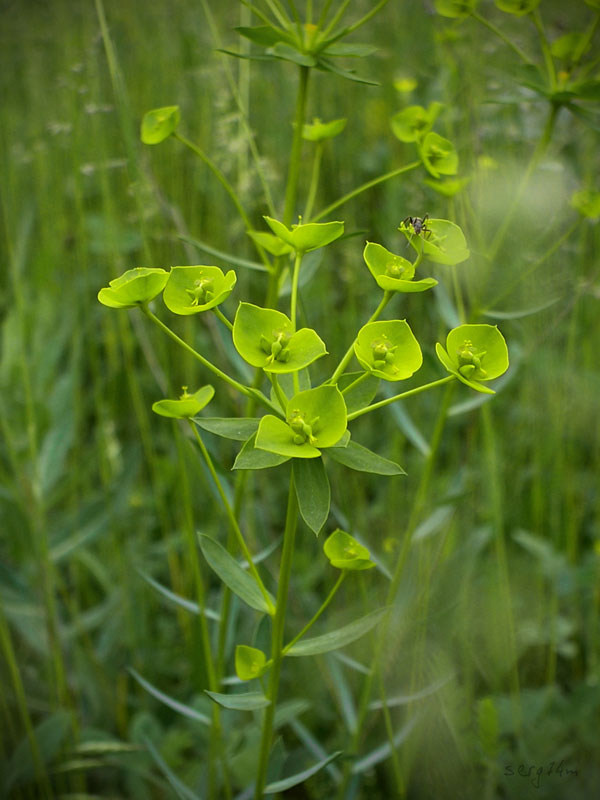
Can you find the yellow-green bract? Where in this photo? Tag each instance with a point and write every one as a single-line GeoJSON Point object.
{"type": "Point", "coordinates": [344, 552]}
{"type": "Point", "coordinates": [388, 349]}
{"type": "Point", "coordinates": [474, 353]}
{"type": "Point", "coordinates": [393, 273]}
{"type": "Point", "coordinates": [159, 123]}
{"type": "Point", "coordinates": [197, 288]}
{"type": "Point", "coordinates": [134, 287]}
{"type": "Point", "coordinates": [188, 405]}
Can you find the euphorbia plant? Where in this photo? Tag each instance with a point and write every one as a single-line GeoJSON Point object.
{"type": "Point", "coordinates": [291, 416]}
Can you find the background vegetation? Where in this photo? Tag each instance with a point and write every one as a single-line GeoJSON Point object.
{"type": "Point", "coordinates": [495, 646]}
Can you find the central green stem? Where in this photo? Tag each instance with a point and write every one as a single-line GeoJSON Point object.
{"type": "Point", "coordinates": [289, 536]}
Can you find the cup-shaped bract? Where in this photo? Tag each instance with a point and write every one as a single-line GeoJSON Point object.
{"type": "Point", "coordinates": [133, 288]}
{"type": "Point", "coordinates": [187, 406]}
{"type": "Point", "coordinates": [439, 155]}
{"type": "Point", "coordinates": [271, 243]}
{"type": "Point", "coordinates": [393, 273]}
{"type": "Point", "coordinates": [250, 662]}
{"type": "Point", "coordinates": [388, 349]}
{"type": "Point", "coordinates": [159, 124]}
{"type": "Point", "coordinates": [442, 241]}
{"type": "Point", "coordinates": [303, 238]}
{"type": "Point", "coordinates": [413, 122]}
{"type": "Point", "coordinates": [475, 353]}
{"type": "Point", "coordinates": [314, 419]}
{"type": "Point", "coordinates": [517, 7]}
{"type": "Point", "coordinates": [265, 338]}
{"type": "Point", "coordinates": [455, 9]}
{"type": "Point", "coordinates": [318, 131]}
{"type": "Point", "coordinates": [193, 289]}
{"type": "Point", "coordinates": [344, 552]}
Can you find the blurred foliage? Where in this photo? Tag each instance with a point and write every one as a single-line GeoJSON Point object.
{"type": "Point", "coordinates": [495, 645]}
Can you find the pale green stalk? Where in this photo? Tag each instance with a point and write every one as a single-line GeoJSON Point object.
{"type": "Point", "coordinates": [387, 296]}
{"type": "Point", "coordinates": [296, 149]}
{"type": "Point", "coordinates": [312, 621]}
{"type": "Point", "coordinates": [245, 390]}
{"type": "Point", "coordinates": [219, 314]}
{"type": "Point", "coordinates": [278, 390]}
{"type": "Point", "coordinates": [285, 570]}
{"type": "Point", "coordinates": [548, 60]}
{"type": "Point", "coordinates": [356, 382]}
{"type": "Point", "coordinates": [314, 181]}
{"type": "Point", "coordinates": [363, 188]}
{"type": "Point", "coordinates": [400, 396]}
{"type": "Point", "coordinates": [490, 25]}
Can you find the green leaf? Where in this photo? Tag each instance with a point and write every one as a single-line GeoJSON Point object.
{"type": "Point", "coordinates": [183, 602]}
{"type": "Point", "coordinates": [360, 395]}
{"type": "Point", "coordinates": [517, 7]}
{"type": "Point", "coordinates": [439, 155]}
{"type": "Point", "coordinates": [306, 237]}
{"type": "Point", "coordinates": [247, 701]}
{"type": "Point", "coordinates": [249, 662]}
{"type": "Point", "coordinates": [159, 124]}
{"type": "Point", "coordinates": [49, 735]}
{"type": "Point", "coordinates": [265, 338]}
{"type": "Point", "coordinates": [325, 65]}
{"type": "Point", "coordinates": [362, 459]}
{"type": "Point", "coordinates": [269, 242]}
{"type": "Point", "coordinates": [455, 9]}
{"type": "Point", "coordinates": [388, 349]}
{"type": "Point", "coordinates": [238, 580]}
{"type": "Point", "coordinates": [134, 287]}
{"type": "Point", "coordinates": [264, 35]}
{"type": "Point", "coordinates": [338, 638]}
{"type": "Point", "coordinates": [181, 708]}
{"type": "Point", "coordinates": [300, 777]}
{"type": "Point", "coordinates": [319, 131]}
{"type": "Point", "coordinates": [286, 52]}
{"type": "Point", "coordinates": [193, 289]}
{"type": "Point", "coordinates": [344, 552]}
{"type": "Point", "coordinates": [251, 457]}
{"type": "Point", "coordinates": [342, 49]}
{"type": "Point", "coordinates": [413, 122]}
{"type": "Point", "coordinates": [443, 242]}
{"type": "Point", "coordinates": [240, 429]}
{"type": "Point", "coordinates": [187, 405]}
{"type": "Point", "coordinates": [220, 254]}
{"type": "Point", "coordinates": [312, 491]}
{"type": "Point", "coordinates": [393, 273]}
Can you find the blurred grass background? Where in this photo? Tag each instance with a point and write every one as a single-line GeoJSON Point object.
{"type": "Point", "coordinates": [499, 605]}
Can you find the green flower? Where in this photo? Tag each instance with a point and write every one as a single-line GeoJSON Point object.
{"type": "Point", "coordinates": [159, 124]}
{"type": "Point", "coordinates": [442, 241]}
{"type": "Point", "coordinates": [314, 419]}
{"type": "Point", "coordinates": [187, 406]}
{"type": "Point", "coordinates": [319, 131]}
{"type": "Point", "coordinates": [344, 552]}
{"type": "Point", "coordinates": [265, 338]}
{"type": "Point", "coordinates": [474, 353]}
{"type": "Point", "coordinates": [303, 238]}
{"type": "Point", "coordinates": [133, 288]}
{"type": "Point", "coordinates": [393, 273]}
{"type": "Point", "coordinates": [388, 349]}
{"type": "Point", "coordinates": [191, 290]}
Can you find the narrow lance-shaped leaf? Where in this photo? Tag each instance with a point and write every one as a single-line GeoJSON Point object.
{"type": "Point", "coordinates": [338, 638]}
{"type": "Point", "coordinates": [238, 580]}
{"type": "Point", "coordinates": [312, 491]}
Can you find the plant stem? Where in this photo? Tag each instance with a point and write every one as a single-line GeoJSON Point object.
{"type": "Point", "coordinates": [324, 605]}
{"type": "Point", "coordinates": [289, 536]}
{"type": "Point", "coordinates": [231, 517]}
{"type": "Point", "coordinates": [314, 181]}
{"type": "Point", "coordinates": [245, 390]}
{"type": "Point", "coordinates": [358, 380]}
{"type": "Point", "coordinates": [278, 390]}
{"type": "Point", "coordinates": [387, 296]}
{"type": "Point", "coordinates": [294, 295]}
{"type": "Point", "coordinates": [550, 68]}
{"type": "Point", "coordinates": [296, 151]}
{"type": "Point", "coordinates": [219, 314]}
{"type": "Point", "coordinates": [363, 188]}
{"type": "Point", "coordinates": [393, 399]}
{"type": "Point", "coordinates": [490, 26]}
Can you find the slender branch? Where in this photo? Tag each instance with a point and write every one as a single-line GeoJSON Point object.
{"type": "Point", "coordinates": [490, 25]}
{"type": "Point", "coordinates": [296, 150]}
{"type": "Point", "coordinates": [326, 602]}
{"type": "Point", "coordinates": [219, 314]}
{"type": "Point", "coordinates": [245, 390]}
{"type": "Point", "coordinates": [356, 382]}
{"type": "Point", "coordinates": [278, 390]}
{"type": "Point", "coordinates": [314, 181]}
{"type": "Point", "coordinates": [409, 393]}
{"type": "Point", "coordinates": [387, 296]}
{"type": "Point", "coordinates": [285, 570]}
{"type": "Point", "coordinates": [549, 61]}
{"type": "Point", "coordinates": [363, 188]}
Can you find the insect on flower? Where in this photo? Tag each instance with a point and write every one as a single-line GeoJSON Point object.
{"type": "Point", "coordinates": [419, 225]}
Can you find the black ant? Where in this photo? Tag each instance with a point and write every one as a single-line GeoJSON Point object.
{"type": "Point", "coordinates": [419, 225]}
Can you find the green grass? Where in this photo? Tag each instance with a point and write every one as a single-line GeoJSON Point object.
{"type": "Point", "coordinates": [497, 608]}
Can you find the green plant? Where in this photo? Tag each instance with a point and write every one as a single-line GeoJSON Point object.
{"type": "Point", "coordinates": [307, 417]}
